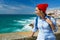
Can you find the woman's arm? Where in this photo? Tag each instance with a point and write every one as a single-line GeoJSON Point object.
{"type": "Point", "coordinates": [32, 34]}
{"type": "Point", "coordinates": [51, 23]}
{"type": "Point", "coordinates": [32, 31]}
{"type": "Point", "coordinates": [52, 26]}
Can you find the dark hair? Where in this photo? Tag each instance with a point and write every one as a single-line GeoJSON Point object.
{"type": "Point", "coordinates": [43, 12]}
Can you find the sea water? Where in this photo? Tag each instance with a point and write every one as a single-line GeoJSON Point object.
{"type": "Point", "coordinates": [15, 22]}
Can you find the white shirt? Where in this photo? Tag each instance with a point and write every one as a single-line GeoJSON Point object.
{"type": "Point", "coordinates": [45, 31]}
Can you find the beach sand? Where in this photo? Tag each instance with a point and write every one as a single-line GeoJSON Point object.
{"type": "Point", "coordinates": [16, 35]}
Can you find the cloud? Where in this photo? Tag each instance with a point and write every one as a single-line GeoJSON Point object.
{"type": "Point", "coordinates": [9, 9]}
{"type": "Point", "coordinates": [19, 9]}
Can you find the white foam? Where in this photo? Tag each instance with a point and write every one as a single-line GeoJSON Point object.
{"type": "Point", "coordinates": [26, 23]}
{"type": "Point", "coordinates": [24, 29]}
{"type": "Point", "coordinates": [25, 20]}
{"type": "Point", "coordinates": [19, 21]}
{"type": "Point", "coordinates": [27, 28]}
{"type": "Point", "coordinates": [18, 30]}
{"type": "Point", "coordinates": [18, 24]}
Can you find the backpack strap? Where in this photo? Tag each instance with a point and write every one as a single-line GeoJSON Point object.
{"type": "Point", "coordinates": [36, 22]}
{"type": "Point", "coordinates": [55, 25]}
{"type": "Point", "coordinates": [49, 17]}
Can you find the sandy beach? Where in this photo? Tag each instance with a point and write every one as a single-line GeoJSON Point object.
{"type": "Point", "coordinates": [16, 35]}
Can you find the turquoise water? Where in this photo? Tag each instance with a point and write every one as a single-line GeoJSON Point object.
{"type": "Point", "coordinates": [15, 23]}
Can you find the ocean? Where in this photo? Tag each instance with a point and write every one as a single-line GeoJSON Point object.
{"type": "Point", "coordinates": [15, 22]}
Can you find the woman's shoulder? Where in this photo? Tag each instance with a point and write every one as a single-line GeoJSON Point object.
{"type": "Point", "coordinates": [51, 17]}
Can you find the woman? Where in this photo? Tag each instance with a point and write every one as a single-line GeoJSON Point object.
{"type": "Point", "coordinates": [46, 25]}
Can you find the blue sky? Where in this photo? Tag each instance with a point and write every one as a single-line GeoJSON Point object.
{"type": "Point", "coordinates": [24, 6]}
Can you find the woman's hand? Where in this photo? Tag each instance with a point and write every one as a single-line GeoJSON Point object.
{"type": "Point", "coordinates": [31, 35]}
{"type": "Point", "coordinates": [32, 25]}
{"type": "Point", "coordinates": [51, 24]}
{"type": "Point", "coordinates": [49, 21]}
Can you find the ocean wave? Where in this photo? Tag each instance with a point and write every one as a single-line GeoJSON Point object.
{"type": "Point", "coordinates": [27, 28]}
{"type": "Point", "coordinates": [16, 29]}
{"type": "Point", "coordinates": [7, 30]}
{"type": "Point", "coordinates": [18, 24]}
{"type": "Point", "coordinates": [24, 29]}
{"type": "Point", "coordinates": [25, 21]}
{"type": "Point", "coordinates": [15, 23]}
{"type": "Point", "coordinates": [20, 21]}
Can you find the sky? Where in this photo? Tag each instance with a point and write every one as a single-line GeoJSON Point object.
{"type": "Point", "coordinates": [24, 6]}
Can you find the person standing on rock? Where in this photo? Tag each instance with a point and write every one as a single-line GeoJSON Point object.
{"type": "Point", "coordinates": [46, 25]}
